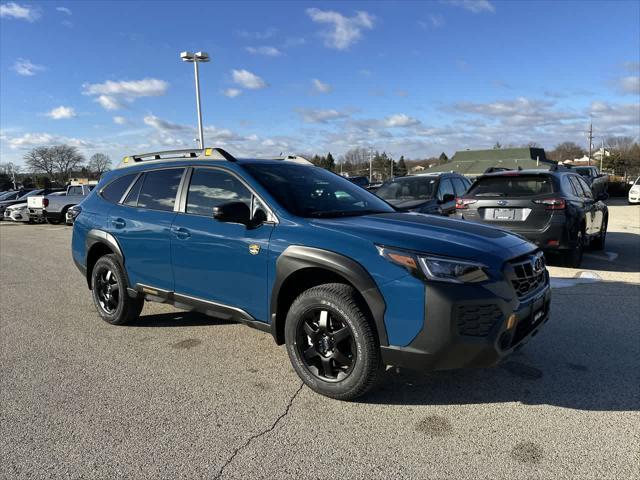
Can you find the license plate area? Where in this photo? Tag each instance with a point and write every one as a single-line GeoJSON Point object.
{"type": "Point", "coordinates": [504, 213]}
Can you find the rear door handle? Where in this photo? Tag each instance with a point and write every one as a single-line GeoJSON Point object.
{"type": "Point", "coordinates": [181, 233]}
{"type": "Point", "coordinates": [118, 223]}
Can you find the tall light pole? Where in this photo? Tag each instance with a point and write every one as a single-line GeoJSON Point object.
{"type": "Point", "coordinates": [196, 58]}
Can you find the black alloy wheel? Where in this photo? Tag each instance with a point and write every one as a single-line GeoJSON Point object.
{"type": "Point", "coordinates": [326, 345]}
{"type": "Point", "coordinates": [108, 290]}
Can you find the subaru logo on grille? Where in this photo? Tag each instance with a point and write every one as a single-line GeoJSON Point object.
{"type": "Point", "coordinates": [538, 263]}
{"type": "Point", "coordinates": [502, 203]}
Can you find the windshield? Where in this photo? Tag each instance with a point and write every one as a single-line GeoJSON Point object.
{"type": "Point", "coordinates": [6, 195]}
{"type": "Point", "coordinates": [411, 188]}
{"type": "Point", "coordinates": [32, 192]}
{"type": "Point", "coordinates": [511, 186]}
{"type": "Point", "coordinates": [314, 192]}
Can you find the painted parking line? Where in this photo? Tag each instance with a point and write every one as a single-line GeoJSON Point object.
{"type": "Point", "coordinates": [580, 279]}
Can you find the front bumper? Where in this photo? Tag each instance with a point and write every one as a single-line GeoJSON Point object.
{"type": "Point", "coordinates": [466, 326]}
{"type": "Point", "coordinates": [17, 215]}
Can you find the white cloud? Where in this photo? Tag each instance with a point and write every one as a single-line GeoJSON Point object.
{"type": "Point", "coordinates": [475, 6]}
{"type": "Point", "coordinates": [30, 140]}
{"type": "Point", "coordinates": [632, 66]}
{"type": "Point", "coordinates": [320, 116]}
{"type": "Point", "coordinates": [400, 120]}
{"type": "Point", "coordinates": [163, 125]}
{"type": "Point", "coordinates": [61, 113]}
{"type": "Point", "coordinates": [343, 31]}
{"type": "Point", "coordinates": [232, 92]}
{"type": "Point", "coordinates": [247, 79]}
{"type": "Point", "coordinates": [20, 12]}
{"type": "Point", "coordinates": [23, 66]}
{"type": "Point", "coordinates": [435, 21]}
{"type": "Point", "coordinates": [265, 50]}
{"type": "Point", "coordinates": [320, 86]}
{"type": "Point", "coordinates": [64, 10]}
{"type": "Point", "coordinates": [113, 95]}
{"type": "Point", "coordinates": [630, 84]}
{"type": "Point", "coordinates": [119, 120]}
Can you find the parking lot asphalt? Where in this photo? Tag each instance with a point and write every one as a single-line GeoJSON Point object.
{"type": "Point", "coordinates": [181, 395]}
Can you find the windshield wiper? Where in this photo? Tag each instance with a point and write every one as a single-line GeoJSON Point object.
{"type": "Point", "coordinates": [342, 213]}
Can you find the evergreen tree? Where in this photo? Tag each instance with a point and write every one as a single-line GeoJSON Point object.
{"type": "Point", "coordinates": [329, 162]}
{"type": "Point", "coordinates": [443, 158]}
{"type": "Point", "coordinates": [401, 169]}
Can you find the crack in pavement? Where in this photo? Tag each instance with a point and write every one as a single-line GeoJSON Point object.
{"type": "Point", "coordinates": [260, 434]}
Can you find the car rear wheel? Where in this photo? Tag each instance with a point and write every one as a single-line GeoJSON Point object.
{"type": "Point", "coordinates": [573, 257]}
{"type": "Point", "coordinates": [331, 343]}
{"type": "Point", "coordinates": [109, 289]}
{"type": "Point", "coordinates": [598, 243]}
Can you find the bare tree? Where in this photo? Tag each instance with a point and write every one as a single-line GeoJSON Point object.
{"type": "Point", "coordinates": [66, 159]}
{"type": "Point", "coordinates": [566, 151]}
{"type": "Point", "coordinates": [99, 163]}
{"type": "Point", "coordinates": [40, 160]}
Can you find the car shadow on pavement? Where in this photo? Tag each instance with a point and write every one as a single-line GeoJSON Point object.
{"type": "Point", "coordinates": [625, 246]}
{"type": "Point", "coordinates": [586, 358]}
{"type": "Point", "coordinates": [178, 318]}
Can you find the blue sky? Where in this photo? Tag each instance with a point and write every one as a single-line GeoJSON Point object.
{"type": "Point", "coordinates": [411, 78]}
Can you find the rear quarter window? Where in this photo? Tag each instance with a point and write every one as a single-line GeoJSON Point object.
{"type": "Point", "coordinates": [114, 191]}
{"type": "Point", "coordinates": [512, 186]}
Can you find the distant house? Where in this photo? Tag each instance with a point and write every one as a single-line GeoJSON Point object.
{"type": "Point", "coordinates": [475, 162]}
{"type": "Point", "coordinates": [417, 169]}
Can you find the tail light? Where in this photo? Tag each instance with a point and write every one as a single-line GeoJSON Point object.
{"type": "Point", "coordinates": [45, 202]}
{"type": "Point", "coordinates": [552, 203]}
{"type": "Point", "coordinates": [463, 203]}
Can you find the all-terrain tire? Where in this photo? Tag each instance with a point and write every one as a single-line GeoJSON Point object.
{"type": "Point", "coordinates": [342, 306]}
{"type": "Point", "coordinates": [109, 291]}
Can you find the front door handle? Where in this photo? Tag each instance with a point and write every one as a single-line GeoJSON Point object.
{"type": "Point", "coordinates": [118, 223]}
{"type": "Point", "coordinates": [181, 233]}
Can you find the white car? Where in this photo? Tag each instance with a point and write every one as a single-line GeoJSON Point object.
{"type": "Point", "coordinates": [18, 213]}
{"type": "Point", "coordinates": [634, 193]}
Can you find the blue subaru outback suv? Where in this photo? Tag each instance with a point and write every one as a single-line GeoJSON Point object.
{"type": "Point", "coordinates": [348, 283]}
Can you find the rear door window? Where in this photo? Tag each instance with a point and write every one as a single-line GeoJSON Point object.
{"type": "Point", "coordinates": [585, 187]}
{"type": "Point", "coordinates": [157, 190]}
{"type": "Point", "coordinates": [74, 190]}
{"type": "Point", "coordinates": [576, 186]}
{"type": "Point", "coordinates": [512, 186]}
{"type": "Point", "coordinates": [210, 187]}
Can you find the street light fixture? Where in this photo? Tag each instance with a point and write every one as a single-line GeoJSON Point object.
{"type": "Point", "coordinates": [196, 58]}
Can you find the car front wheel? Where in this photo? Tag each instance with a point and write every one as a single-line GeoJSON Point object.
{"type": "Point", "coordinates": [331, 342]}
{"type": "Point", "coordinates": [109, 290]}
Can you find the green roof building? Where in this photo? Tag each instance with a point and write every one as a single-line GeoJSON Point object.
{"type": "Point", "coordinates": [475, 162]}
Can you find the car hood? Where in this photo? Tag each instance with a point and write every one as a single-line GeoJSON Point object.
{"type": "Point", "coordinates": [17, 206]}
{"type": "Point", "coordinates": [433, 234]}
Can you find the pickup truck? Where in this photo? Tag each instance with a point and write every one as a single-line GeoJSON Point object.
{"type": "Point", "coordinates": [53, 208]}
{"type": "Point", "coordinates": [599, 182]}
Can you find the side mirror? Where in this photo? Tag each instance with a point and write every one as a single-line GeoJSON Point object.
{"type": "Point", "coordinates": [232, 212]}
{"type": "Point", "coordinates": [448, 197]}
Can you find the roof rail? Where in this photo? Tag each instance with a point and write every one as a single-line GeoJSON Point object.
{"type": "Point", "coordinates": [295, 158]}
{"type": "Point", "coordinates": [559, 167]}
{"type": "Point", "coordinates": [213, 153]}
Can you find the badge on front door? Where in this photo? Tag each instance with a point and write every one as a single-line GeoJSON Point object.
{"type": "Point", "coordinates": [254, 249]}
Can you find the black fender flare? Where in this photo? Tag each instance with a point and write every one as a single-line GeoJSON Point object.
{"type": "Point", "coordinates": [96, 236]}
{"type": "Point", "coordinates": [297, 257]}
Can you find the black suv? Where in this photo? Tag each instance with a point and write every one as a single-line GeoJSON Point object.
{"type": "Point", "coordinates": [425, 193]}
{"type": "Point", "coordinates": [555, 209]}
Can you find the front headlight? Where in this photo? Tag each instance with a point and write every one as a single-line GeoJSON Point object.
{"type": "Point", "coordinates": [439, 269]}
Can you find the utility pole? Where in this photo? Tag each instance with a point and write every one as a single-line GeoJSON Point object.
{"type": "Point", "coordinates": [590, 140]}
{"type": "Point", "coordinates": [370, 165]}
{"type": "Point", "coordinates": [602, 155]}
{"type": "Point", "coordinates": [391, 167]}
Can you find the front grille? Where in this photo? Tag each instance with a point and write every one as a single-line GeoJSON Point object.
{"type": "Point", "coordinates": [528, 275]}
{"type": "Point", "coordinates": [477, 320]}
